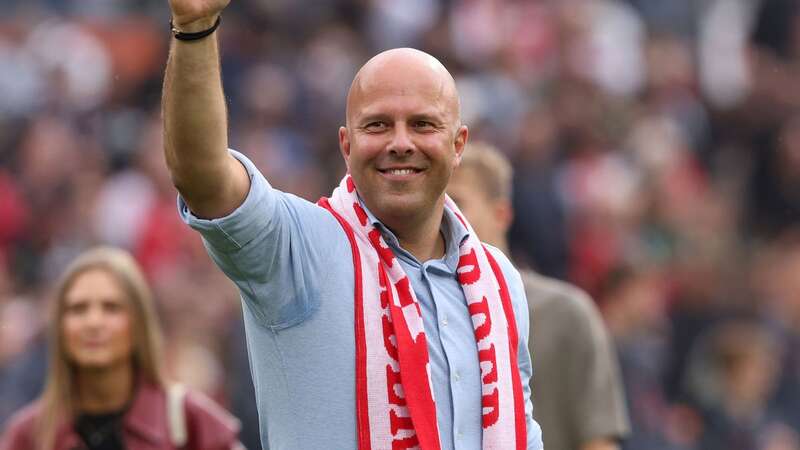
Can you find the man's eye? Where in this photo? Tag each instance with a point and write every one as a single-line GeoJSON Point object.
{"type": "Point", "coordinates": [423, 124]}
{"type": "Point", "coordinates": [375, 126]}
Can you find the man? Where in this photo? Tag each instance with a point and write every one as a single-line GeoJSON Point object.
{"type": "Point", "coordinates": [577, 390]}
{"type": "Point", "coordinates": [375, 319]}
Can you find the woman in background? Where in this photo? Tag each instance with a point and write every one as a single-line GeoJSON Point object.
{"type": "Point", "coordinates": [105, 386]}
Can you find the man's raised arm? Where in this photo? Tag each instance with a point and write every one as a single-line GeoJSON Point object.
{"type": "Point", "coordinates": [211, 181]}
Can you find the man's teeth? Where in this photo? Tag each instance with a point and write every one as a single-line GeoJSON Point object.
{"type": "Point", "coordinates": [400, 171]}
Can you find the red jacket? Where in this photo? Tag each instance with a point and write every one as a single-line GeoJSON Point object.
{"type": "Point", "coordinates": [145, 425]}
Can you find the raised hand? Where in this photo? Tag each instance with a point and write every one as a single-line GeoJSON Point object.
{"type": "Point", "coordinates": [185, 13]}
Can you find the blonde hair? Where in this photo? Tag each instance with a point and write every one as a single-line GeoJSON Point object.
{"type": "Point", "coordinates": [57, 401]}
{"type": "Point", "coordinates": [492, 168]}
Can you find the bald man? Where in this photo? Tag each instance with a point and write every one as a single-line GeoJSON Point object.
{"type": "Point", "coordinates": [375, 319]}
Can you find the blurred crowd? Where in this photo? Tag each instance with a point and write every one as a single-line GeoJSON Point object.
{"type": "Point", "coordinates": [656, 146]}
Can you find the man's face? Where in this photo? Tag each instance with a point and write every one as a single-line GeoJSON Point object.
{"type": "Point", "coordinates": [403, 139]}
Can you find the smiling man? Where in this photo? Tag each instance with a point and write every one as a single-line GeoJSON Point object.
{"type": "Point", "coordinates": [402, 141]}
{"type": "Point", "coordinates": [375, 319]}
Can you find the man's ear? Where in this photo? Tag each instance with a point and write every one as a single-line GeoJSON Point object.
{"type": "Point", "coordinates": [462, 135]}
{"type": "Point", "coordinates": [344, 144]}
{"type": "Point", "coordinates": [504, 213]}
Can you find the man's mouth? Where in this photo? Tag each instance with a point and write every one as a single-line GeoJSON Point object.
{"type": "Point", "coordinates": [400, 171]}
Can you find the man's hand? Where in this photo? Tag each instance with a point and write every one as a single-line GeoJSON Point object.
{"type": "Point", "coordinates": [195, 15]}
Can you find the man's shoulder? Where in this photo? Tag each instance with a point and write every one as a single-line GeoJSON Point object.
{"type": "Point", "coordinates": [265, 209]}
{"type": "Point", "coordinates": [512, 279]}
{"type": "Point", "coordinates": [503, 261]}
{"type": "Point", "coordinates": [558, 298]}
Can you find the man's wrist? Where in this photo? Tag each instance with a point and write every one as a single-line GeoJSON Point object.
{"type": "Point", "coordinates": [194, 26]}
{"type": "Point", "coordinates": [184, 35]}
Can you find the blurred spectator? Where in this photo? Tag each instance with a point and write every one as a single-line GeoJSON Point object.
{"type": "Point", "coordinates": [22, 356]}
{"type": "Point", "coordinates": [737, 375]}
{"type": "Point", "coordinates": [777, 284]}
{"type": "Point", "coordinates": [539, 225]}
{"type": "Point", "coordinates": [775, 202]}
{"type": "Point", "coordinates": [239, 385]}
{"type": "Point", "coordinates": [633, 303]}
{"type": "Point", "coordinates": [105, 385]}
{"type": "Point", "coordinates": [577, 389]}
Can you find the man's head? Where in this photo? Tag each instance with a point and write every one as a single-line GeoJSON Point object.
{"type": "Point", "coordinates": [481, 186]}
{"type": "Point", "coordinates": [403, 136]}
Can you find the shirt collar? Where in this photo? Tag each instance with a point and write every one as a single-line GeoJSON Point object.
{"type": "Point", "coordinates": [454, 232]}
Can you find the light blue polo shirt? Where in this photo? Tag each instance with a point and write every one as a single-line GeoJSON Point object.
{"type": "Point", "coordinates": [293, 265]}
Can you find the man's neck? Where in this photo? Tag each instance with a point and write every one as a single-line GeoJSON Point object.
{"type": "Point", "coordinates": [422, 238]}
{"type": "Point", "coordinates": [427, 248]}
{"type": "Point", "coordinates": [106, 390]}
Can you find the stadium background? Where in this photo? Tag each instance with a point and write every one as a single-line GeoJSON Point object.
{"type": "Point", "coordinates": [656, 147]}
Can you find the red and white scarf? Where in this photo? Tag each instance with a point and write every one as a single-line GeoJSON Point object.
{"type": "Point", "coordinates": [394, 398]}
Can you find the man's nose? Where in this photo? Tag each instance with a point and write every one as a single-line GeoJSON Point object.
{"type": "Point", "coordinates": [401, 144]}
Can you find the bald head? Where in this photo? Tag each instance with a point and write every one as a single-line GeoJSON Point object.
{"type": "Point", "coordinates": [400, 71]}
{"type": "Point", "coordinates": [403, 140]}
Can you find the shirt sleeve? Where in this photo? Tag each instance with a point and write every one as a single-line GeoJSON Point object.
{"type": "Point", "coordinates": [272, 247]}
{"type": "Point", "coordinates": [519, 302]}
